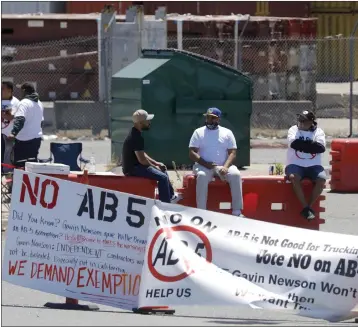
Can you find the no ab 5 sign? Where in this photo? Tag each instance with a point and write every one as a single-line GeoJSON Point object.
{"type": "Point", "coordinates": [174, 249]}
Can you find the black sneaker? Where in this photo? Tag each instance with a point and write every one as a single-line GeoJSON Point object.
{"type": "Point", "coordinates": [308, 213]}
{"type": "Point", "coordinates": [311, 214]}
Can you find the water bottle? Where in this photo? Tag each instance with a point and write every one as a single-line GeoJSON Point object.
{"type": "Point", "coordinates": [272, 170]}
{"type": "Point", "coordinates": [92, 165]}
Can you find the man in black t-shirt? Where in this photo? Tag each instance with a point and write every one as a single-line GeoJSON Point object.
{"type": "Point", "coordinates": [136, 162]}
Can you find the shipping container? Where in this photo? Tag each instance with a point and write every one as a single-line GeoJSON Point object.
{"type": "Point", "coordinates": [59, 53]}
{"type": "Point", "coordinates": [88, 7]}
{"type": "Point", "coordinates": [258, 8]}
{"type": "Point", "coordinates": [333, 30]}
{"type": "Point", "coordinates": [337, 7]}
{"type": "Point", "coordinates": [25, 29]}
{"type": "Point", "coordinates": [202, 7]}
{"type": "Point", "coordinates": [33, 7]}
{"type": "Point", "coordinates": [288, 8]}
{"type": "Point", "coordinates": [57, 78]}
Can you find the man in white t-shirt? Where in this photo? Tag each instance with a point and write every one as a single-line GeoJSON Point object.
{"type": "Point", "coordinates": [213, 149]}
{"type": "Point", "coordinates": [9, 105]}
{"type": "Point", "coordinates": [27, 130]}
{"type": "Point", "coordinates": [306, 142]}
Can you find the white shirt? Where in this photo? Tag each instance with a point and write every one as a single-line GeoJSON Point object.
{"type": "Point", "coordinates": [214, 144]}
{"type": "Point", "coordinates": [6, 127]}
{"type": "Point", "coordinates": [300, 158]}
{"type": "Point", "coordinates": [33, 113]}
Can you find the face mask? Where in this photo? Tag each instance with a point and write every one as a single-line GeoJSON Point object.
{"type": "Point", "coordinates": [212, 126]}
{"type": "Point", "coordinates": [146, 128]}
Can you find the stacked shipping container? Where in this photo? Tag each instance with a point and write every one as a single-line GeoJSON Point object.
{"type": "Point", "coordinates": [47, 51]}
{"type": "Point", "coordinates": [336, 21]}
{"type": "Point", "coordinates": [278, 53]}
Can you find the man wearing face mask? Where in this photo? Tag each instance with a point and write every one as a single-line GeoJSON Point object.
{"type": "Point", "coordinates": [136, 162]}
{"type": "Point", "coordinates": [306, 144]}
{"type": "Point", "coordinates": [213, 149]}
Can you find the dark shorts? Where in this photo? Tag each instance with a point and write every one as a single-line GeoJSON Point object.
{"type": "Point", "coordinates": [313, 173]}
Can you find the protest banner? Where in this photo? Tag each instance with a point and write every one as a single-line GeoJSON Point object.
{"type": "Point", "coordinates": [197, 257]}
{"type": "Point", "coordinates": [76, 240]}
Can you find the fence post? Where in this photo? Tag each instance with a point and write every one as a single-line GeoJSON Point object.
{"type": "Point", "coordinates": [351, 77]}
{"type": "Point", "coordinates": [236, 55]}
{"type": "Point", "coordinates": [180, 34]}
{"type": "Point", "coordinates": [240, 42]}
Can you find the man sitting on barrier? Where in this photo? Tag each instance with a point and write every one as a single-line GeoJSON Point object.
{"type": "Point", "coordinates": [306, 143]}
{"type": "Point", "coordinates": [213, 149]}
{"type": "Point", "coordinates": [135, 162]}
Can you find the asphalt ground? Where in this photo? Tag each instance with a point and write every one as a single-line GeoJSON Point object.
{"type": "Point", "coordinates": [24, 307]}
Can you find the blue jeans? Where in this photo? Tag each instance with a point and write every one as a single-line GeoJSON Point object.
{"type": "Point", "coordinates": [165, 189]}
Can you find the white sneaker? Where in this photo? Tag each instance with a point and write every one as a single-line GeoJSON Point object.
{"type": "Point", "coordinates": [176, 197]}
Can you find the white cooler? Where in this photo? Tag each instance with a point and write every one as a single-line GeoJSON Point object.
{"type": "Point", "coordinates": [47, 168]}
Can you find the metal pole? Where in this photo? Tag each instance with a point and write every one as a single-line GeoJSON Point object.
{"type": "Point", "coordinates": [351, 77]}
{"type": "Point", "coordinates": [180, 34]}
{"type": "Point", "coordinates": [236, 33]}
{"type": "Point", "coordinates": [107, 76]}
{"type": "Point", "coordinates": [240, 43]}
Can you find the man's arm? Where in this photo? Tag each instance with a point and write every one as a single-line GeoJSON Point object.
{"type": "Point", "coordinates": [194, 146]}
{"type": "Point", "coordinates": [232, 150]}
{"type": "Point", "coordinates": [138, 147]}
{"type": "Point", "coordinates": [317, 145]}
{"type": "Point", "coordinates": [151, 160]}
{"type": "Point", "coordinates": [194, 156]}
{"type": "Point", "coordinates": [142, 158]}
{"type": "Point", "coordinates": [19, 120]}
{"type": "Point", "coordinates": [231, 158]}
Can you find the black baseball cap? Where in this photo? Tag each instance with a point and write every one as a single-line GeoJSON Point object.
{"type": "Point", "coordinates": [307, 115]}
{"type": "Point", "coordinates": [8, 84]}
{"type": "Point", "coordinates": [27, 87]}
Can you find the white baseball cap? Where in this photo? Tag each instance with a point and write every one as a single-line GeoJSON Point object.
{"type": "Point", "coordinates": [141, 115]}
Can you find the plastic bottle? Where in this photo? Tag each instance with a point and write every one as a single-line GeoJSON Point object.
{"type": "Point", "coordinates": [92, 165]}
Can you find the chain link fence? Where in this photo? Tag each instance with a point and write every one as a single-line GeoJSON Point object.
{"type": "Point", "coordinates": [65, 74]}
{"type": "Point", "coordinates": [288, 76]}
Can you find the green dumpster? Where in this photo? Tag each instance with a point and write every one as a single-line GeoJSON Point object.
{"type": "Point", "coordinates": [178, 87]}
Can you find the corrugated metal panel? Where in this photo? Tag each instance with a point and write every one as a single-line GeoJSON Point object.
{"type": "Point", "coordinates": [178, 7]}
{"type": "Point", "coordinates": [69, 74]}
{"type": "Point", "coordinates": [226, 7]}
{"type": "Point", "coordinates": [333, 52]}
{"type": "Point", "coordinates": [202, 7]}
{"type": "Point", "coordinates": [262, 8]}
{"type": "Point", "coordinates": [32, 7]}
{"type": "Point", "coordinates": [87, 7]}
{"type": "Point", "coordinates": [334, 6]}
{"type": "Point", "coordinates": [18, 31]}
{"type": "Point", "coordinates": [289, 9]}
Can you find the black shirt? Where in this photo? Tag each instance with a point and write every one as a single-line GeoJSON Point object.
{"type": "Point", "coordinates": [133, 142]}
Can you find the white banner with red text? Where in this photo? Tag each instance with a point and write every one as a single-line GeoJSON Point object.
{"type": "Point", "coordinates": [197, 257]}
{"type": "Point", "coordinates": [75, 240]}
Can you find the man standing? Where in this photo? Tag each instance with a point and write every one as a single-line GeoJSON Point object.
{"type": "Point", "coordinates": [213, 149]}
{"type": "Point", "coordinates": [136, 162]}
{"type": "Point", "coordinates": [9, 105]}
{"type": "Point", "coordinates": [306, 144]}
{"type": "Point", "coordinates": [27, 129]}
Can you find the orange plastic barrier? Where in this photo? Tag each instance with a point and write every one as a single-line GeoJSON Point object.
{"type": "Point", "coordinates": [344, 174]}
{"type": "Point", "coordinates": [132, 185]}
{"type": "Point", "coordinates": [266, 198]}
